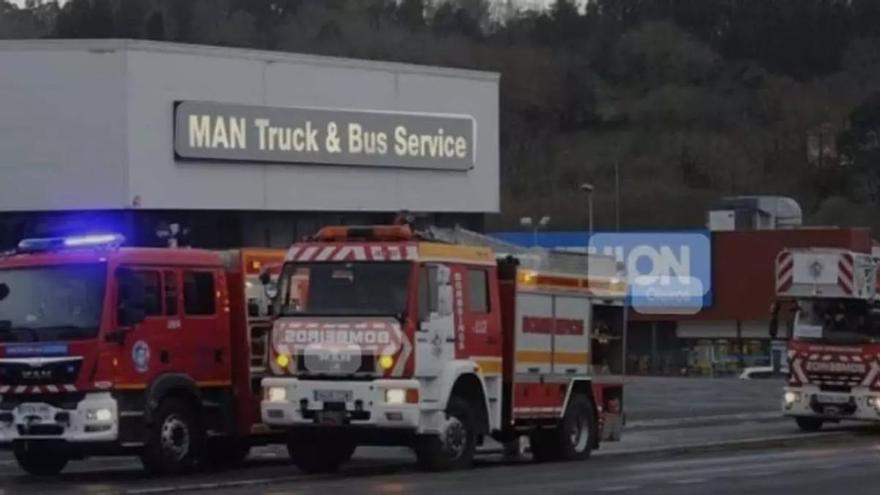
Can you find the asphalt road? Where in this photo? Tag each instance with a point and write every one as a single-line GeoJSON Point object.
{"type": "Point", "coordinates": [841, 464]}
{"type": "Point", "coordinates": [848, 466]}
{"type": "Point", "coordinates": [649, 399]}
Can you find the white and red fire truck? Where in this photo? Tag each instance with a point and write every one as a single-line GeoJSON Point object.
{"type": "Point", "coordinates": [834, 352]}
{"type": "Point", "coordinates": [108, 350]}
{"type": "Point", "coordinates": [384, 337]}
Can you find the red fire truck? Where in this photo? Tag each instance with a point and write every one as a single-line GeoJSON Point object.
{"type": "Point", "coordinates": [385, 337]}
{"type": "Point", "coordinates": [113, 350]}
{"type": "Point", "coordinates": [834, 352]}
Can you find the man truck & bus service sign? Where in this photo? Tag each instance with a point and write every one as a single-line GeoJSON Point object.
{"type": "Point", "coordinates": [243, 133]}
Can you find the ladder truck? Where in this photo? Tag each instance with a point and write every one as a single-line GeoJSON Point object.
{"type": "Point", "coordinates": [834, 350]}
{"type": "Point", "coordinates": [438, 341]}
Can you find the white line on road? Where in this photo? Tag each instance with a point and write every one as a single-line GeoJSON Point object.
{"type": "Point", "coordinates": [618, 488]}
{"type": "Point", "coordinates": [689, 481]}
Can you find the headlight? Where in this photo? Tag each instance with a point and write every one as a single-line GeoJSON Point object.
{"type": "Point", "coordinates": [277, 394]}
{"type": "Point", "coordinates": [99, 415]}
{"type": "Point", "coordinates": [395, 396]}
{"type": "Point", "coordinates": [874, 401]}
{"type": "Point", "coordinates": [791, 397]}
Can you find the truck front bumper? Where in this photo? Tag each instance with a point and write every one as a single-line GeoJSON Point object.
{"type": "Point", "coordinates": [94, 420]}
{"type": "Point", "coordinates": [293, 403]}
{"type": "Point", "coordinates": [809, 401]}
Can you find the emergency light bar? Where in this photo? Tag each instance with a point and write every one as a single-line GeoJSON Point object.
{"type": "Point", "coordinates": [75, 242]}
{"type": "Point", "coordinates": [367, 233]}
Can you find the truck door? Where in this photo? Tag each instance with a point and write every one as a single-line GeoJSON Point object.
{"type": "Point", "coordinates": [205, 323]}
{"type": "Point", "coordinates": [147, 347]}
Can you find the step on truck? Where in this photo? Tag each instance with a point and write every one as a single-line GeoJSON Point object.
{"type": "Point", "coordinates": [386, 337]}
{"type": "Point", "coordinates": [834, 350]}
{"type": "Point", "coordinates": [108, 350]}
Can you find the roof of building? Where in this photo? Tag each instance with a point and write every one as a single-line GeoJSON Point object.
{"type": "Point", "coordinates": [105, 45]}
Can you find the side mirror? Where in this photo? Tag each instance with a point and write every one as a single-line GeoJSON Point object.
{"type": "Point", "coordinates": [444, 300]}
{"type": "Point", "coordinates": [4, 291]}
{"type": "Point", "coordinates": [774, 327]}
{"type": "Point", "coordinates": [774, 320]}
{"type": "Point", "coordinates": [270, 286]}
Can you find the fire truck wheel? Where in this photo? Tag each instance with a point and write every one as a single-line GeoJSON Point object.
{"type": "Point", "coordinates": [808, 424]}
{"type": "Point", "coordinates": [173, 439]}
{"type": "Point", "coordinates": [314, 456]}
{"type": "Point", "coordinates": [37, 461]}
{"type": "Point", "coordinates": [454, 448]}
{"type": "Point", "coordinates": [572, 440]}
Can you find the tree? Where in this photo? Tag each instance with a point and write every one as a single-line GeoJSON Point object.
{"type": "Point", "coordinates": [411, 13]}
{"type": "Point", "coordinates": [155, 28]}
{"type": "Point", "coordinates": [861, 145]}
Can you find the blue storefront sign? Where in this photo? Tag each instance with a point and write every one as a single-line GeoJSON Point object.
{"type": "Point", "coordinates": [667, 272]}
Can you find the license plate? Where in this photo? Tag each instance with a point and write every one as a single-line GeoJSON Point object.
{"type": "Point", "coordinates": [333, 395]}
{"type": "Point", "coordinates": [832, 399]}
{"type": "Point", "coordinates": [331, 418]}
{"type": "Point", "coordinates": [831, 411]}
{"type": "Point", "coordinates": [42, 411]}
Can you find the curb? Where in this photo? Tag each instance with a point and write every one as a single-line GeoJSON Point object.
{"type": "Point", "coordinates": [704, 420]}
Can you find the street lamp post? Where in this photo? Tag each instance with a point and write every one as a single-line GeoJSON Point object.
{"type": "Point", "coordinates": [588, 188]}
{"type": "Point", "coordinates": [542, 223]}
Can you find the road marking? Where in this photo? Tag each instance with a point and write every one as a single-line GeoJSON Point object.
{"type": "Point", "coordinates": [215, 485]}
{"type": "Point", "coordinates": [618, 488]}
{"type": "Point", "coordinates": [689, 481]}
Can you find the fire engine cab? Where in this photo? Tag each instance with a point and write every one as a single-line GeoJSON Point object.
{"type": "Point", "coordinates": [387, 337]}
{"type": "Point", "coordinates": [834, 352]}
{"type": "Point", "coordinates": [113, 350]}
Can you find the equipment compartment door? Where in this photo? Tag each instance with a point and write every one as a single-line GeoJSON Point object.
{"type": "Point", "coordinates": [534, 334]}
{"type": "Point", "coordinates": [571, 338]}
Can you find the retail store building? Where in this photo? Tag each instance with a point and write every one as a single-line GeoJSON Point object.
{"type": "Point", "coordinates": [237, 147]}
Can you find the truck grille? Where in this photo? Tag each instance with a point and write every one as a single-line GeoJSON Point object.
{"type": "Point", "coordinates": [37, 373]}
{"type": "Point", "coordinates": [367, 366]}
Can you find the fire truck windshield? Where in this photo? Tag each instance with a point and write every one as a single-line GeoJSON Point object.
{"type": "Point", "coordinates": [51, 302]}
{"type": "Point", "coordinates": [836, 321]}
{"type": "Point", "coordinates": [345, 289]}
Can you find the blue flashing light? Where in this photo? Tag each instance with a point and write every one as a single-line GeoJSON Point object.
{"type": "Point", "coordinates": [94, 240]}
{"type": "Point", "coordinates": [75, 242]}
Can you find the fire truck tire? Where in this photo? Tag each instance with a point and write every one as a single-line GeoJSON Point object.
{"type": "Point", "coordinates": [570, 441]}
{"type": "Point", "coordinates": [174, 438]}
{"type": "Point", "coordinates": [37, 461]}
{"type": "Point", "coordinates": [809, 424]}
{"type": "Point", "coordinates": [454, 448]}
{"type": "Point", "coordinates": [320, 456]}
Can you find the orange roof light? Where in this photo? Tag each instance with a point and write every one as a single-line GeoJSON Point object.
{"type": "Point", "coordinates": [337, 233]}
